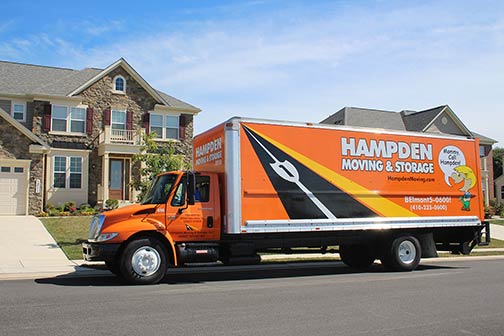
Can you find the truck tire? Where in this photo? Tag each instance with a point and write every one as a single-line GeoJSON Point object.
{"type": "Point", "coordinates": [356, 256]}
{"type": "Point", "coordinates": [144, 261]}
{"type": "Point", "coordinates": [113, 266]}
{"type": "Point", "coordinates": [402, 254]}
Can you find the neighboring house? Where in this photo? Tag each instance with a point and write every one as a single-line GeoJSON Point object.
{"type": "Point", "coordinates": [69, 135]}
{"type": "Point", "coordinates": [499, 187]}
{"type": "Point", "coordinates": [439, 119]}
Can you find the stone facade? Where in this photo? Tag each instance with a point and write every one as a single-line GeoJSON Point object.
{"type": "Point", "coordinates": [15, 145]}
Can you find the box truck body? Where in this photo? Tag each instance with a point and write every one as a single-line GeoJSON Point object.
{"type": "Point", "coordinates": [261, 185]}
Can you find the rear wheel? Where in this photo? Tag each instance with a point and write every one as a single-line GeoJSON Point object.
{"type": "Point", "coordinates": [144, 261]}
{"type": "Point", "coordinates": [402, 254]}
{"type": "Point", "coordinates": [357, 256]}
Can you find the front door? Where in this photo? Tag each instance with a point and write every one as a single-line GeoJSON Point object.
{"type": "Point", "coordinates": [119, 179]}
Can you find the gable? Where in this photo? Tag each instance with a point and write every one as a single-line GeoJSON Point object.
{"type": "Point", "coordinates": [443, 123]}
{"type": "Point", "coordinates": [11, 127]}
{"type": "Point", "coordinates": [122, 67]}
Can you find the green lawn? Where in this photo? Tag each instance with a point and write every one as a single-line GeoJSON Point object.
{"type": "Point", "coordinates": [69, 233]}
{"type": "Point", "coordinates": [497, 221]}
{"type": "Point", "coordinates": [494, 243]}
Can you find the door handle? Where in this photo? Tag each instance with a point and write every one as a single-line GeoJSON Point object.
{"type": "Point", "coordinates": [209, 222]}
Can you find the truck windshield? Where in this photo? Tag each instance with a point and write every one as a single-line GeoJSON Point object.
{"type": "Point", "coordinates": [160, 189]}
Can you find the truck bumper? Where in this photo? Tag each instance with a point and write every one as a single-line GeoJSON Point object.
{"type": "Point", "coordinates": [99, 252]}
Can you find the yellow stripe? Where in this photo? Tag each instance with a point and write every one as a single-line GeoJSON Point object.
{"type": "Point", "coordinates": [369, 198]}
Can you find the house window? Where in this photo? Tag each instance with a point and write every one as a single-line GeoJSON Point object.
{"type": "Point", "coordinates": [59, 118]}
{"type": "Point", "coordinates": [19, 111]}
{"type": "Point", "coordinates": [482, 151]}
{"type": "Point", "coordinates": [77, 119]}
{"type": "Point", "coordinates": [119, 84]}
{"type": "Point", "coordinates": [65, 119]}
{"type": "Point", "coordinates": [118, 120]}
{"type": "Point", "coordinates": [156, 125]}
{"type": "Point", "coordinates": [165, 126]}
{"type": "Point", "coordinates": [59, 171]}
{"type": "Point", "coordinates": [171, 127]}
{"type": "Point", "coordinates": [502, 192]}
{"type": "Point", "coordinates": [75, 172]}
{"type": "Point", "coordinates": [67, 172]}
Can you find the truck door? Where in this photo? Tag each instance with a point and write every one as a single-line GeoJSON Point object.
{"type": "Point", "coordinates": [197, 222]}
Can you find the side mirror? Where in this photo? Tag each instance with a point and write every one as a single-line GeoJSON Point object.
{"type": "Point", "coordinates": [191, 188]}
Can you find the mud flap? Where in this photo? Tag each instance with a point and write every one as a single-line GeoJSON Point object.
{"type": "Point", "coordinates": [428, 245]}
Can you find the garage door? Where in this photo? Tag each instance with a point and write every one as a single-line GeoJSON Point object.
{"type": "Point", "coordinates": [13, 188]}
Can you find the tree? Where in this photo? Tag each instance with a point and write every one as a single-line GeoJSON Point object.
{"type": "Point", "coordinates": [154, 159]}
{"type": "Point", "coordinates": [498, 152]}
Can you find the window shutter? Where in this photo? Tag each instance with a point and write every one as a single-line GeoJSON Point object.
{"type": "Point", "coordinates": [89, 120]}
{"type": "Point", "coordinates": [182, 127]}
{"type": "Point", "coordinates": [146, 122]}
{"type": "Point", "coordinates": [46, 118]}
{"type": "Point", "coordinates": [106, 117]}
{"type": "Point", "coordinates": [129, 120]}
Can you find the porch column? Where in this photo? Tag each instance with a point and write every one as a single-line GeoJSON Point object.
{"type": "Point", "coordinates": [105, 177]}
{"type": "Point", "coordinates": [484, 176]}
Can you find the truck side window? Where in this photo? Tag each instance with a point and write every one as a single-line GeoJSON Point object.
{"type": "Point", "coordinates": [180, 193]}
{"type": "Point", "coordinates": [202, 193]}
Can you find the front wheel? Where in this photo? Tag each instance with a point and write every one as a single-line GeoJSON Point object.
{"type": "Point", "coordinates": [144, 261]}
{"type": "Point", "coordinates": [403, 254]}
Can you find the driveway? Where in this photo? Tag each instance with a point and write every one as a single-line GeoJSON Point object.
{"type": "Point", "coordinates": [27, 247]}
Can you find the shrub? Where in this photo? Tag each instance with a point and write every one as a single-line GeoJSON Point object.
{"type": "Point", "coordinates": [49, 206]}
{"type": "Point", "coordinates": [42, 214]}
{"type": "Point", "coordinates": [53, 212]}
{"type": "Point", "coordinates": [86, 211]}
{"type": "Point", "coordinates": [69, 205]}
{"type": "Point", "coordinates": [112, 203]}
{"type": "Point", "coordinates": [84, 206]}
{"type": "Point", "coordinates": [498, 207]}
{"type": "Point", "coordinates": [489, 212]}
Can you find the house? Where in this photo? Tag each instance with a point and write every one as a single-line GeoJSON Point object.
{"type": "Point", "coordinates": [499, 188]}
{"type": "Point", "coordinates": [69, 135]}
{"type": "Point", "coordinates": [439, 119]}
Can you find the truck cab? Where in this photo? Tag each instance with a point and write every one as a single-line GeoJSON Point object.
{"type": "Point", "coordinates": [178, 221]}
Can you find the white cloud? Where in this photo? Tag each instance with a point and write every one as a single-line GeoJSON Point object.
{"type": "Point", "coordinates": [301, 64]}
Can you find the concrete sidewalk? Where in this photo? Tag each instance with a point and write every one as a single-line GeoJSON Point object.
{"type": "Point", "coordinates": [497, 231]}
{"type": "Point", "coordinates": [26, 248]}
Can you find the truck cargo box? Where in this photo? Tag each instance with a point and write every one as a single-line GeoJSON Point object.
{"type": "Point", "coordinates": [296, 177]}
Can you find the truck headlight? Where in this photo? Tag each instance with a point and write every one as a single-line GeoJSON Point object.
{"type": "Point", "coordinates": [95, 227]}
{"type": "Point", "coordinates": [106, 236]}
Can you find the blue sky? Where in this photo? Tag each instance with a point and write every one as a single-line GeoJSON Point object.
{"type": "Point", "coordinates": [289, 60]}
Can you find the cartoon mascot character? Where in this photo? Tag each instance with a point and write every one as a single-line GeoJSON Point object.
{"type": "Point", "coordinates": [466, 175]}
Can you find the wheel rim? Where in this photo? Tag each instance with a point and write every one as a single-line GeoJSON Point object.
{"type": "Point", "coordinates": [146, 261]}
{"type": "Point", "coordinates": [407, 252]}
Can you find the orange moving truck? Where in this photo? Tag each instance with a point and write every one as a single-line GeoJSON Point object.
{"type": "Point", "coordinates": [262, 186]}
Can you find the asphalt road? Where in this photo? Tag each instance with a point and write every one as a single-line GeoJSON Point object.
{"type": "Point", "coordinates": [441, 298]}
